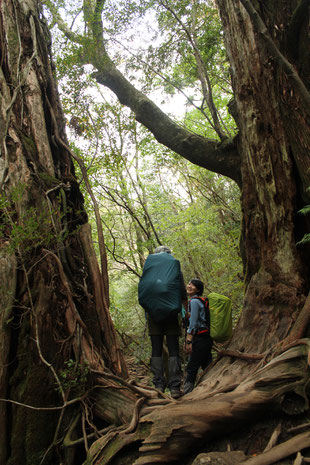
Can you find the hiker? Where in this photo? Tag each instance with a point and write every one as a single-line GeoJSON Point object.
{"type": "Point", "coordinates": [161, 293]}
{"type": "Point", "coordinates": [198, 342]}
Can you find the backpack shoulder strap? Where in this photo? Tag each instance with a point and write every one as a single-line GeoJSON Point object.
{"type": "Point", "coordinates": [204, 300]}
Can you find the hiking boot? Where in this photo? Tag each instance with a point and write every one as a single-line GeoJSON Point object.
{"type": "Point", "coordinates": [157, 369]}
{"type": "Point", "coordinates": [175, 393]}
{"type": "Point", "coordinates": [175, 377]}
{"type": "Point", "coordinates": [188, 387]}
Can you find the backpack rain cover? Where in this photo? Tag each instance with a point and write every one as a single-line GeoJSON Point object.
{"type": "Point", "coordinates": [220, 317]}
{"type": "Point", "coordinates": [159, 289]}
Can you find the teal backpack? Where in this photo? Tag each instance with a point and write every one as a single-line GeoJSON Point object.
{"type": "Point", "coordinates": [159, 290]}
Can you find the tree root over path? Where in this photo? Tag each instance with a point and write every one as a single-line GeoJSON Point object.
{"type": "Point", "coordinates": [167, 433]}
{"type": "Point", "coordinates": [293, 445]}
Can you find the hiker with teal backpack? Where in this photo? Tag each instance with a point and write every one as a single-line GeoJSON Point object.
{"type": "Point", "coordinates": [161, 293]}
{"type": "Point", "coordinates": [198, 343]}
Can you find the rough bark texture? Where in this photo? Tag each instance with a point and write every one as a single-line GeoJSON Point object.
{"type": "Point", "coordinates": [273, 130]}
{"type": "Point", "coordinates": [52, 304]}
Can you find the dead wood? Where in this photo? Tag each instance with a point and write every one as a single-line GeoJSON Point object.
{"type": "Point", "coordinates": [293, 445]}
{"type": "Point", "coordinates": [298, 428]}
{"type": "Point", "coordinates": [274, 437]}
{"type": "Point", "coordinates": [169, 432]}
{"type": "Point", "coordinates": [220, 458]}
{"type": "Point", "coordinates": [299, 459]}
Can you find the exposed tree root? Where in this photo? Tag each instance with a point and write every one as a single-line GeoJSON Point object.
{"type": "Point", "coordinates": [168, 433]}
{"type": "Point", "coordinates": [241, 355]}
{"type": "Point", "coordinates": [135, 418]}
{"type": "Point", "coordinates": [274, 437]}
{"type": "Point", "coordinates": [293, 445]}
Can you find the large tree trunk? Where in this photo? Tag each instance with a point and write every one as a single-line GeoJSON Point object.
{"type": "Point", "coordinates": [274, 142]}
{"type": "Point", "coordinates": [53, 306]}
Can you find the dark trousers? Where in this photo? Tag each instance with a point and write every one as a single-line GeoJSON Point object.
{"type": "Point", "coordinates": [200, 357]}
{"type": "Point", "coordinates": [172, 343]}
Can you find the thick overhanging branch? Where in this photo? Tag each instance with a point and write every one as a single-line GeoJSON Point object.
{"type": "Point", "coordinates": [219, 157]}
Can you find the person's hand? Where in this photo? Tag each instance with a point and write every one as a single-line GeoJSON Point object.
{"type": "Point", "coordinates": [188, 346]}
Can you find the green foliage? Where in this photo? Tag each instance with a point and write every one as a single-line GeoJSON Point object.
{"type": "Point", "coordinates": [173, 47]}
{"type": "Point", "coordinates": [147, 194]}
{"type": "Point", "coordinates": [25, 227]}
{"type": "Point", "coordinates": [305, 211]}
{"type": "Point", "coordinates": [74, 376]}
{"type": "Point", "coordinates": [305, 240]}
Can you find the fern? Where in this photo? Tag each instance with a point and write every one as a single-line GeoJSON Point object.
{"type": "Point", "coordinates": [305, 240]}
{"type": "Point", "coordinates": [305, 210]}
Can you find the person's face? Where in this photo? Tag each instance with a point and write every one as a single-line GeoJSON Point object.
{"type": "Point", "coordinates": [191, 289]}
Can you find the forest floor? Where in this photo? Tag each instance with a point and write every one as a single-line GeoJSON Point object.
{"type": "Point", "coordinates": [251, 439]}
{"type": "Point", "coordinates": [138, 370]}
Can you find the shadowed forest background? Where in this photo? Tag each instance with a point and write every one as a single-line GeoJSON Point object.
{"type": "Point", "coordinates": [124, 126]}
{"type": "Point", "coordinates": [146, 194]}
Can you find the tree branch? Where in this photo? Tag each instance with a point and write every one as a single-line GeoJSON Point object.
{"type": "Point", "coordinates": [201, 70]}
{"type": "Point", "coordinates": [76, 38]}
{"type": "Point", "coordinates": [219, 157]}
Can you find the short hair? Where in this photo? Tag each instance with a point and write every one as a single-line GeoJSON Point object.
{"type": "Point", "coordinates": [162, 248]}
{"type": "Point", "coordinates": [198, 284]}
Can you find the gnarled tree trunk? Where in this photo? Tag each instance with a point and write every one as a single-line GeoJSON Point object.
{"type": "Point", "coordinates": [273, 141]}
{"type": "Point", "coordinates": [53, 310]}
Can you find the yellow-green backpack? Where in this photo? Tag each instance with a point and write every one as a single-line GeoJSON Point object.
{"type": "Point", "coordinates": [220, 317]}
